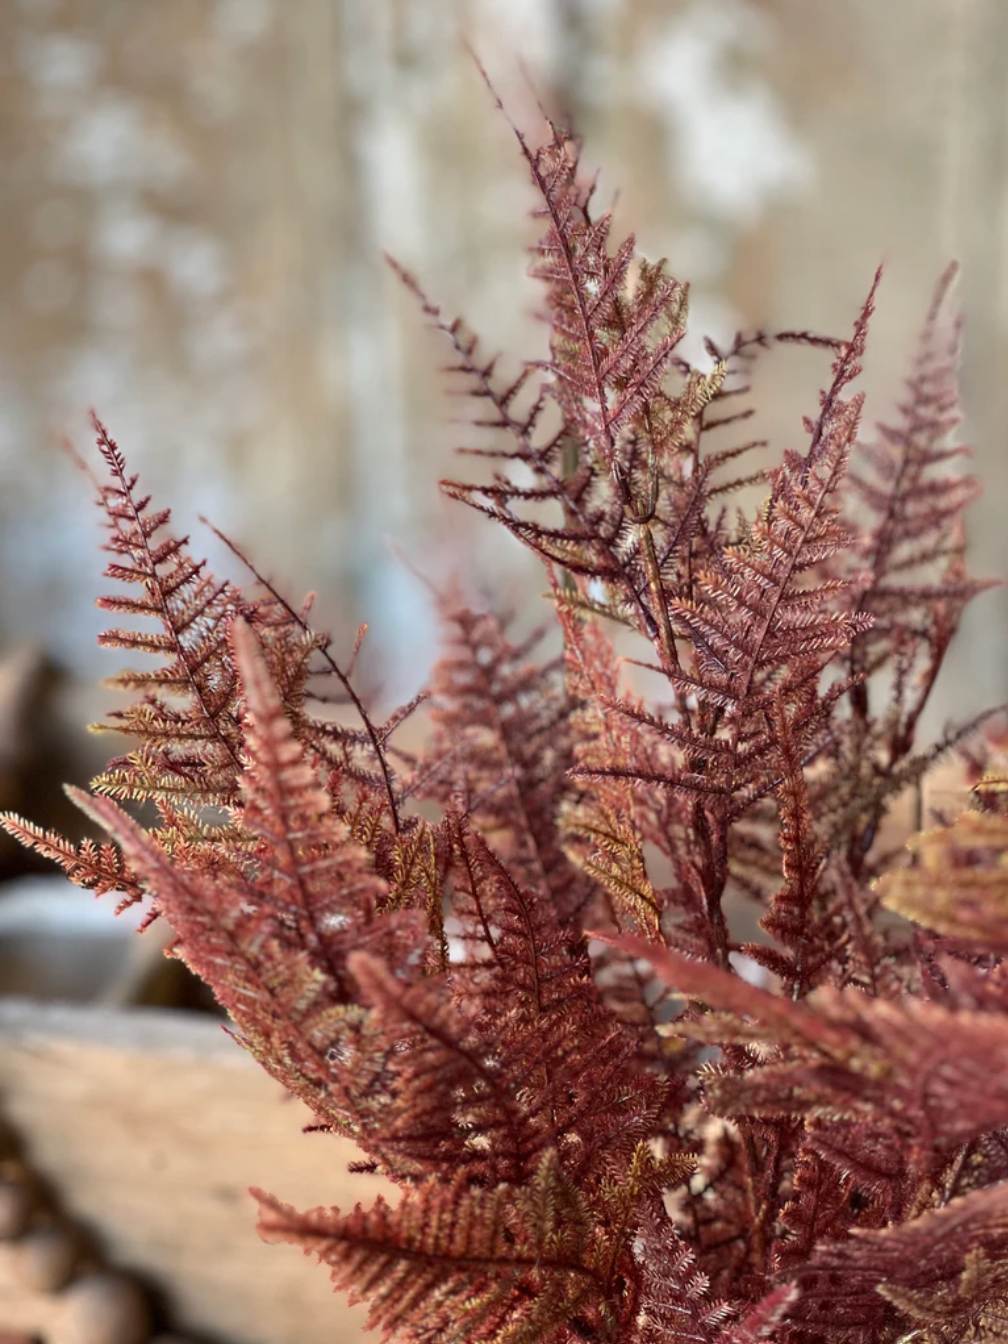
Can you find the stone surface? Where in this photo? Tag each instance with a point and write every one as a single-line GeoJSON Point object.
{"type": "Point", "coordinates": [103, 1308]}
{"type": "Point", "coordinates": [17, 1201]}
{"type": "Point", "coordinates": [46, 1258]}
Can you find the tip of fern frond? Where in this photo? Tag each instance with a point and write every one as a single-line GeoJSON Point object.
{"type": "Point", "coordinates": [105, 440]}
{"type": "Point", "coordinates": [406, 276]}
{"type": "Point", "coordinates": [621, 941]}
{"type": "Point", "coordinates": [104, 812]}
{"type": "Point", "coordinates": [946, 283]}
{"type": "Point", "coordinates": [869, 304]}
{"type": "Point", "coordinates": [471, 52]}
{"type": "Point", "coordinates": [14, 824]}
{"type": "Point", "coordinates": [241, 633]}
{"type": "Point", "coordinates": [274, 1224]}
{"type": "Point", "coordinates": [72, 452]}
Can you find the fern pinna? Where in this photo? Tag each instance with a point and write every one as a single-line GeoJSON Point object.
{"type": "Point", "coordinates": [511, 967]}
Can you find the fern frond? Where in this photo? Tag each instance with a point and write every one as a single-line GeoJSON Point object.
{"type": "Point", "coordinates": [272, 934]}
{"type": "Point", "coordinates": [523, 973]}
{"type": "Point", "coordinates": [196, 748]}
{"type": "Point", "coordinates": [909, 505]}
{"type": "Point", "coordinates": [615, 860]}
{"type": "Point", "coordinates": [791, 909]}
{"type": "Point", "coordinates": [504, 731]}
{"type": "Point", "coordinates": [97, 868]}
{"type": "Point", "coordinates": [291, 644]}
{"type": "Point", "coordinates": [939, 1269]}
{"type": "Point", "coordinates": [750, 619]}
{"type": "Point", "coordinates": [914, 582]}
{"type": "Point", "coordinates": [476, 1266]}
{"type": "Point", "coordinates": [675, 1303]}
{"type": "Point", "coordinates": [925, 1070]}
{"type": "Point", "coordinates": [958, 885]}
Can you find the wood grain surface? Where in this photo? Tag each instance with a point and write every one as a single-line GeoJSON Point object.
{"type": "Point", "coordinates": [150, 1127]}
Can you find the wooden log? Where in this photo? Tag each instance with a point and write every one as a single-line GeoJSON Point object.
{"type": "Point", "coordinates": [150, 1126]}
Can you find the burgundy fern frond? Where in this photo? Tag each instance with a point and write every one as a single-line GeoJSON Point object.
{"type": "Point", "coordinates": [97, 868]}
{"type": "Point", "coordinates": [791, 910]}
{"type": "Point", "coordinates": [916, 513]}
{"type": "Point", "coordinates": [191, 751]}
{"type": "Point", "coordinates": [676, 1303]}
{"type": "Point", "coordinates": [914, 582]}
{"type": "Point", "coordinates": [474, 1265]}
{"type": "Point", "coordinates": [755, 616]}
{"type": "Point", "coordinates": [293, 645]}
{"type": "Point", "coordinates": [941, 1268]}
{"type": "Point", "coordinates": [611, 345]}
{"type": "Point", "coordinates": [272, 933]}
{"type": "Point", "coordinates": [504, 732]}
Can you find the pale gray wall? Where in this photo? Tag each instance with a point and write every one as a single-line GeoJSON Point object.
{"type": "Point", "coordinates": [196, 194]}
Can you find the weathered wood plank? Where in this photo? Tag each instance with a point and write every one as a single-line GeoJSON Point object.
{"type": "Point", "coordinates": [151, 1126]}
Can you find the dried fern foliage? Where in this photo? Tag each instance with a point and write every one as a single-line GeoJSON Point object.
{"type": "Point", "coordinates": [506, 966]}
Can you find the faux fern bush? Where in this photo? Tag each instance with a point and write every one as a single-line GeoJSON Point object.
{"type": "Point", "coordinates": [505, 967]}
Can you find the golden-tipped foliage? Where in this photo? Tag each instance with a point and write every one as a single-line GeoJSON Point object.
{"type": "Point", "coordinates": [958, 882]}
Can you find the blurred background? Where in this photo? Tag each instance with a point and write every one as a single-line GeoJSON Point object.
{"type": "Point", "coordinates": [196, 197]}
{"type": "Point", "coordinates": [195, 200]}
